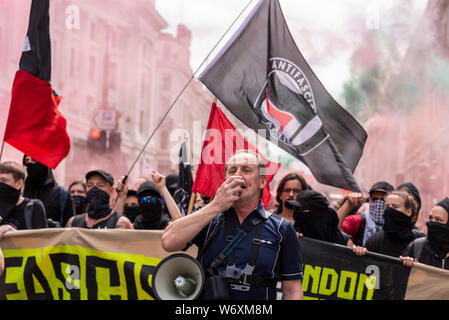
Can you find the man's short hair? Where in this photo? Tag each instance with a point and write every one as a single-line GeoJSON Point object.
{"type": "Point", "coordinates": [260, 161]}
{"type": "Point", "coordinates": [18, 171]}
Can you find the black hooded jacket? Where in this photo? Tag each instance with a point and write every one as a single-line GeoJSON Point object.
{"type": "Point", "coordinates": [315, 219]}
{"type": "Point", "coordinates": [421, 249]}
{"type": "Point", "coordinates": [432, 251]}
{"type": "Point", "coordinates": [44, 187]}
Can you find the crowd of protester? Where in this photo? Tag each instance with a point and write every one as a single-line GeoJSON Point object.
{"type": "Point", "coordinates": [383, 221]}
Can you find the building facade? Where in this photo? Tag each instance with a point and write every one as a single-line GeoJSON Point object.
{"type": "Point", "coordinates": [118, 73]}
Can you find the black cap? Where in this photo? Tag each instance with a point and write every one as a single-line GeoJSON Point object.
{"type": "Point", "coordinates": [147, 186]}
{"type": "Point", "coordinates": [444, 204]}
{"type": "Point", "coordinates": [171, 181]}
{"type": "Point", "coordinates": [107, 176]}
{"type": "Point", "coordinates": [131, 193]}
{"type": "Point", "coordinates": [381, 186]}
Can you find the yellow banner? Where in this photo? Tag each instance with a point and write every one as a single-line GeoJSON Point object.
{"type": "Point", "coordinates": [74, 264]}
{"type": "Point", "coordinates": [83, 264]}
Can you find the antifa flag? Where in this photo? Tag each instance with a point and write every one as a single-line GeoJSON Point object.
{"type": "Point", "coordinates": [263, 79]}
{"type": "Point", "coordinates": [35, 126]}
{"type": "Point", "coordinates": [184, 190]}
{"type": "Point", "coordinates": [221, 142]}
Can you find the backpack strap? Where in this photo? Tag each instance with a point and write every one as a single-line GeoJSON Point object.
{"type": "Point", "coordinates": [63, 196]}
{"type": "Point", "coordinates": [418, 246]}
{"type": "Point", "coordinates": [28, 214]}
{"type": "Point", "coordinates": [361, 231]}
{"type": "Point", "coordinates": [416, 233]}
{"type": "Point", "coordinates": [380, 241]}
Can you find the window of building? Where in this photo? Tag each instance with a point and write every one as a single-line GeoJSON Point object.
{"type": "Point", "coordinates": [92, 68]}
{"type": "Point", "coordinates": [166, 83]}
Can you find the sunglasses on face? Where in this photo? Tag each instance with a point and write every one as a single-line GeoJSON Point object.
{"type": "Point", "coordinates": [148, 199]}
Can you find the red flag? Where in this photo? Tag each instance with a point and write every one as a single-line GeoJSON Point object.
{"type": "Point", "coordinates": [35, 126]}
{"type": "Point", "coordinates": [221, 141]}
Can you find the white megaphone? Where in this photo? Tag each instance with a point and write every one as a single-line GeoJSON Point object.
{"type": "Point", "coordinates": [178, 277]}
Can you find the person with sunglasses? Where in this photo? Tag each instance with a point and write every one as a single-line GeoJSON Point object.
{"type": "Point", "coordinates": [151, 196]}
{"type": "Point", "coordinates": [288, 189]}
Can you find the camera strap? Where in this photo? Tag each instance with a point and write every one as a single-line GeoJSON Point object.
{"type": "Point", "coordinates": [233, 243]}
{"type": "Point", "coordinates": [255, 243]}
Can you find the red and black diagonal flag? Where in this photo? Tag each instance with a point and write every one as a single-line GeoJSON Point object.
{"type": "Point", "coordinates": [263, 79]}
{"type": "Point", "coordinates": [35, 125]}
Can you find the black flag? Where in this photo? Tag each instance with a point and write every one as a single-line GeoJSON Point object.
{"type": "Point", "coordinates": [263, 79]}
{"type": "Point", "coordinates": [183, 192]}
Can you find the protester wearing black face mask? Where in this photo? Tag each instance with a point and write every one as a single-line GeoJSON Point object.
{"type": "Point", "coordinates": [434, 249]}
{"type": "Point", "coordinates": [150, 208]}
{"type": "Point", "coordinates": [100, 215]}
{"type": "Point", "coordinates": [398, 230]}
{"type": "Point", "coordinates": [17, 211]}
{"type": "Point", "coordinates": [40, 184]}
{"type": "Point", "coordinates": [78, 191]}
{"type": "Point", "coordinates": [315, 219]}
{"type": "Point", "coordinates": [131, 207]}
{"type": "Point", "coordinates": [151, 198]}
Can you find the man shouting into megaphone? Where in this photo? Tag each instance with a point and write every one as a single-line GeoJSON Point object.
{"type": "Point", "coordinates": [241, 245]}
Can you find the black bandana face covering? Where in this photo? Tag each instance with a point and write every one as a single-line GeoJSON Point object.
{"type": "Point", "coordinates": [151, 212]}
{"type": "Point", "coordinates": [8, 199]}
{"type": "Point", "coordinates": [397, 225]}
{"type": "Point", "coordinates": [99, 203]}
{"type": "Point", "coordinates": [79, 201]}
{"type": "Point", "coordinates": [438, 236]}
{"type": "Point", "coordinates": [37, 172]}
{"type": "Point", "coordinates": [131, 212]}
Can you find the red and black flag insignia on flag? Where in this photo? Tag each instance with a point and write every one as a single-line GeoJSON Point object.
{"type": "Point", "coordinates": [262, 78]}
{"type": "Point", "coordinates": [35, 125]}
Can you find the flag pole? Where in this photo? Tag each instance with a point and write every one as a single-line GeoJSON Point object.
{"type": "Point", "coordinates": [183, 89]}
{"type": "Point", "coordinates": [192, 196]}
{"type": "Point", "coordinates": [1, 151]}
